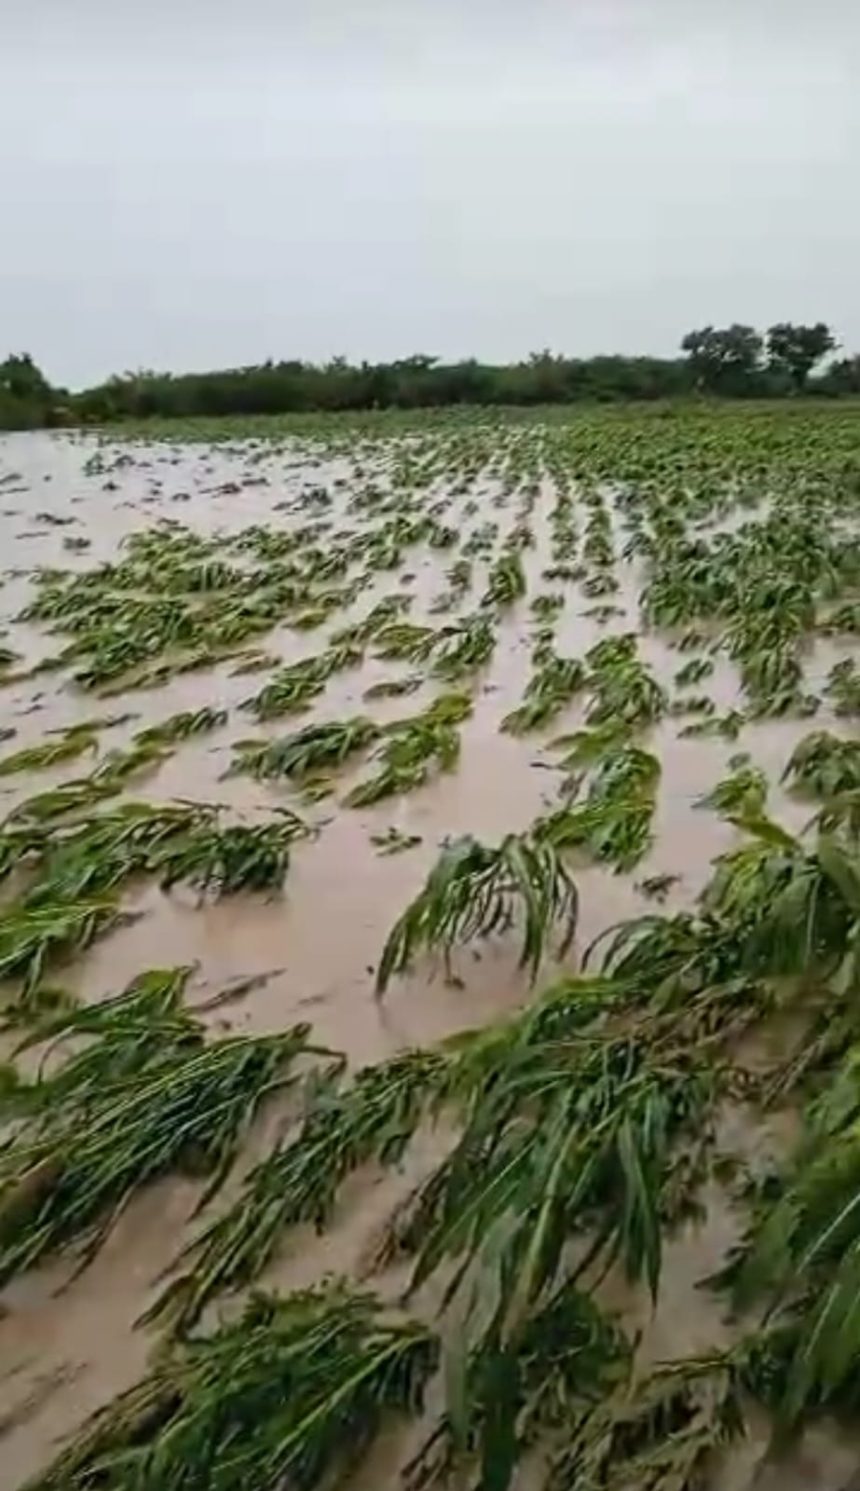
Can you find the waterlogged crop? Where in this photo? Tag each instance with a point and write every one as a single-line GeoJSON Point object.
{"type": "Point", "coordinates": [475, 890]}
{"type": "Point", "coordinates": [612, 820]}
{"type": "Point", "coordinates": [671, 594]}
{"type": "Point", "coordinates": [411, 749]}
{"type": "Point", "coordinates": [554, 682]}
{"type": "Point", "coordinates": [315, 748]}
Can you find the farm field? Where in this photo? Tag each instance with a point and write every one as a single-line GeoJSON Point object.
{"type": "Point", "coordinates": [430, 912]}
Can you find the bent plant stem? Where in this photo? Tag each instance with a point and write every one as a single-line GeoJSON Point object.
{"type": "Point", "coordinates": [473, 891]}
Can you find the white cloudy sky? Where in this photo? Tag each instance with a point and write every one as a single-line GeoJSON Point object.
{"type": "Point", "coordinates": [189, 183]}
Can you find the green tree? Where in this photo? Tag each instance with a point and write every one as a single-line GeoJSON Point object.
{"type": "Point", "coordinates": [724, 359]}
{"type": "Point", "coordinates": [841, 377]}
{"type": "Point", "coordinates": [27, 399]}
{"type": "Point", "coordinates": [794, 350]}
{"type": "Point", "coordinates": [21, 379]}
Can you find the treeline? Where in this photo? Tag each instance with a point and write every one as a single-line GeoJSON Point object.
{"type": "Point", "coordinates": [409, 383]}
{"type": "Point", "coordinates": [27, 400]}
{"type": "Point", "coordinates": [724, 362]}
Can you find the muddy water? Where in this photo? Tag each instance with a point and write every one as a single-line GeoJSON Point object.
{"type": "Point", "coordinates": [67, 1345]}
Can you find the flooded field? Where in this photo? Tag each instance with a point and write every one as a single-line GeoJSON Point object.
{"type": "Point", "coordinates": [558, 637]}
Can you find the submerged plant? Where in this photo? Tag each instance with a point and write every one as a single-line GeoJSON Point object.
{"type": "Point", "coordinates": [801, 1256]}
{"type": "Point", "coordinates": [823, 765]}
{"type": "Point", "coordinates": [63, 745]}
{"type": "Point", "coordinates": [474, 891]}
{"type": "Point", "coordinates": [581, 1110]}
{"type": "Point", "coordinates": [657, 887]}
{"type": "Point", "coordinates": [290, 690]}
{"type": "Point", "coordinates": [693, 672]}
{"type": "Point", "coordinates": [727, 726]}
{"type": "Point", "coordinates": [464, 646]}
{"type": "Point", "coordinates": [613, 821]}
{"type": "Point", "coordinates": [551, 687]}
{"type": "Point", "coordinates": [410, 749]}
{"type": "Point", "coordinates": [843, 688]}
{"type": "Point", "coordinates": [742, 792]}
{"type": "Point", "coordinates": [373, 1118]}
{"type": "Point", "coordinates": [788, 909]}
{"type": "Point", "coordinates": [68, 801]}
{"type": "Point", "coordinates": [291, 1393]}
{"type": "Point", "coordinates": [182, 726]}
{"type": "Point", "coordinates": [128, 1110]}
{"type": "Point", "coordinates": [622, 687]}
{"type": "Point", "coordinates": [293, 688]}
{"type": "Point", "coordinates": [505, 1390]}
{"type": "Point", "coordinates": [664, 1436]}
{"type": "Point", "coordinates": [586, 747]}
{"type": "Point", "coordinates": [94, 856]}
{"type": "Point", "coordinates": [582, 1132]}
{"type": "Point", "coordinates": [30, 935]}
{"type": "Point", "coordinates": [393, 688]}
{"type": "Point", "coordinates": [394, 841]}
{"type": "Point", "coordinates": [315, 748]}
{"type": "Point", "coordinates": [404, 641]}
{"type": "Point", "coordinates": [507, 580]}
{"type": "Point", "coordinates": [227, 860]}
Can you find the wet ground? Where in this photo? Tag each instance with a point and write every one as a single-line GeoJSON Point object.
{"type": "Point", "coordinates": [67, 1345]}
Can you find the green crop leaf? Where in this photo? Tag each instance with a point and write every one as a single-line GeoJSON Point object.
{"type": "Point", "coordinates": [473, 891]}
{"type": "Point", "coordinates": [292, 1393]}
{"type": "Point", "coordinates": [318, 747]}
{"type": "Point", "coordinates": [412, 749]}
{"type": "Point", "coordinates": [226, 860]}
{"type": "Point", "coordinates": [148, 1096]}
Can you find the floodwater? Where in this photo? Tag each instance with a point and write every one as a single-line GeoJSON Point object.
{"type": "Point", "coordinates": [68, 1344]}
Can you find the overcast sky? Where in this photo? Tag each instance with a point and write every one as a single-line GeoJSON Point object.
{"type": "Point", "coordinates": [197, 183]}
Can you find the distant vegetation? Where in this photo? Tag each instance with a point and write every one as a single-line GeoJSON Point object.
{"type": "Point", "coordinates": [726, 362]}
{"type": "Point", "coordinates": [27, 400]}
